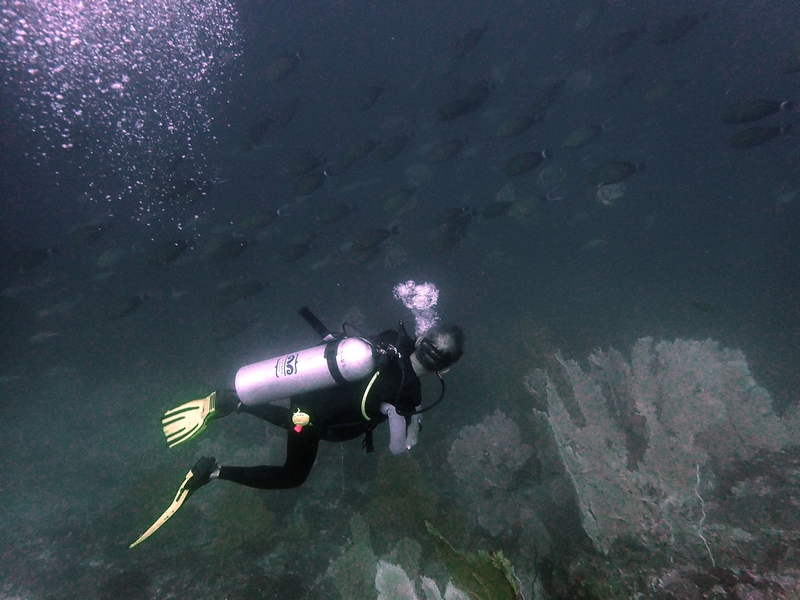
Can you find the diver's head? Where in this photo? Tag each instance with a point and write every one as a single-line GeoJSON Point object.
{"type": "Point", "coordinates": [438, 349]}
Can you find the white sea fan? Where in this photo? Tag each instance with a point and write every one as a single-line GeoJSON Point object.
{"type": "Point", "coordinates": [392, 583]}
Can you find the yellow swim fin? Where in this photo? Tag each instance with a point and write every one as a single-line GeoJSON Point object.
{"type": "Point", "coordinates": [197, 477]}
{"type": "Point", "coordinates": [187, 421]}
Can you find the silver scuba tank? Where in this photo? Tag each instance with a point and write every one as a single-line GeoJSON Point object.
{"type": "Point", "coordinates": [324, 366]}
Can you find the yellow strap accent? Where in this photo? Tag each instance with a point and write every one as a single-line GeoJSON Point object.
{"type": "Point", "coordinates": [366, 393]}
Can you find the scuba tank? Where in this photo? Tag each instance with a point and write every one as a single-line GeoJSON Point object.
{"type": "Point", "coordinates": [339, 360]}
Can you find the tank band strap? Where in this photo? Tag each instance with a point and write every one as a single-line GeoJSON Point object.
{"type": "Point", "coordinates": [330, 356]}
{"type": "Point", "coordinates": [366, 393]}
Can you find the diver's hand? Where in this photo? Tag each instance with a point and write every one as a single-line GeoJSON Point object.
{"type": "Point", "coordinates": [412, 431]}
{"type": "Point", "coordinates": [397, 429]}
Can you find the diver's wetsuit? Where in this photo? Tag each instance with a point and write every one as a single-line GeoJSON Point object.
{"type": "Point", "coordinates": [336, 416]}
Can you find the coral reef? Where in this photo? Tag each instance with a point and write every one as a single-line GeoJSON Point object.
{"type": "Point", "coordinates": [656, 431]}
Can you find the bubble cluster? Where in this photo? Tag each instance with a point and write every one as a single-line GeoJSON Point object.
{"type": "Point", "coordinates": [123, 81]}
{"type": "Point", "coordinates": [421, 299]}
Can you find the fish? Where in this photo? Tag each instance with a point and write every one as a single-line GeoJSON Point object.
{"type": "Point", "coordinates": [582, 136]}
{"type": "Point", "coordinates": [391, 148]}
{"type": "Point", "coordinates": [299, 246]}
{"type": "Point", "coordinates": [86, 234]}
{"type": "Point", "coordinates": [755, 136]}
{"type": "Point", "coordinates": [283, 66]}
{"type": "Point", "coordinates": [525, 161]}
{"type": "Point", "coordinates": [122, 307]}
{"type": "Point", "coordinates": [676, 28]}
{"type": "Point", "coordinates": [190, 190]}
{"type": "Point", "coordinates": [256, 133]}
{"type": "Point", "coordinates": [446, 217]}
{"type": "Point", "coordinates": [784, 199]}
{"type": "Point", "coordinates": [295, 252]}
{"type": "Point", "coordinates": [355, 152]}
{"type": "Point", "coordinates": [226, 250]}
{"type": "Point", "coordinates": [446, 236]}
{"type": "Point", "coordinates": [792, 64]}
{"type": "Point", "coordinates": [358, 150]}
{"type": "Point", "coordinates": [702, 306]}
{"type": "Point", "coordinates": [547, 95]}
{"type": "Point", "coordinates": [748, 111]}
{"type": "Point", "coordinates": [399, 201]}
{"type": "Point", "coordinates": [619, 43]}
{"type": "Point", "coordinates": [369, 239]}
{"type": "Point", "coordinates": [57, 309]}
{"type": "Point", "coordinates": [26, 259]}
{"type": "Point", "coordinates": [282, 115]}
{"type": "Point", "coordinates": [110, 257]}
{"type": "Point", "coordinates": [613, 172]}
{"type": "Point", "coordinates": [370, 96]}
{"type": "Point", "coordinates": [303, 164]}
{"type": "Point", "coordinates": [525, 208]}
{"type": "Point", "coordinates": [227, 329]}
{"type": "Point", "coordinates": [228, 293]}
{"type": "Point", "coordinates": [308, 184]}
{"type": "Point", "coordinates": [608, 194]}
{"type": "Point", "coordinates": [496, 209]}
{"type": "Point", "coordinates": [467, 42]}
{"type": "Point", "coordinates": [261, 218]}
{"type": "Point", "coordinates": [333, 213]}
{"type": "Point", "coordinates": [472, 101]}
{"type": "Point", "coordinates": [15, 291]}
{"type": "Point", "coordinates": [594, 245]}
{"type": "Point", "coordinates": [588, 15]}
{"type": "Point", "coordinates": [519, 125]}
{"type": "Point", "coordinates": [163, 253]}
{"type": "Point", "coordinates": [42, 336]}
{"type": "Point", "coordinates": [444, 150]}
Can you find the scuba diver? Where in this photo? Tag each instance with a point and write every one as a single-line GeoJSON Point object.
{"type": "Point", "coordinates": [337, 391]}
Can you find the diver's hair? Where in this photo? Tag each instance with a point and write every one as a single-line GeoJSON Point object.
{"type": "Point", "coordinates": [449, 343]}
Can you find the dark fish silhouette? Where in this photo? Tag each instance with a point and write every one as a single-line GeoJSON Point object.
{"type": "Point", "coordinates": [620, 42]}
{"type": "Point", "coordinates": [613, 172]}
{"type": "Point", "coordinates": [676, 28]}
{"type": "Point", "coordinates": [307, 184]}
{"type": "Point", "coordinates": [748, 111]}
{"type": "Point", "coordinates": [122, 307]}
{"type": "Point", "coordinates": [524, 162]}
{"type": "Point", "coordinates": [393, 147]}
{"type": "Point", "coordinates": [87, 234]}
{"type": "Point", "coordinates": [755, 136]}
{"type": "Point", "coordinates": [444, 150]}
{"type": "Point", "coordinates": [472, 101]}
{"type": "Point", "coordinates": [467, 42]}
{"type": "Point", "coordinates": [163, 253]}
{"type": "Point", "coordinates": [370, 97]}
{"type": "Point", "coordinates": [496, 209]}
{"type": "Point", "coordinates": [280, 68]}
{"type": "Point", "coordinates": [26, 259]}
{"type": "Point", "coordinates": [236, 292]}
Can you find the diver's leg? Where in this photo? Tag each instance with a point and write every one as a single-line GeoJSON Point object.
{"type": "Point", "coordinates": [272, 413]}
{"type": "Point", "coordinates": [301, 452]}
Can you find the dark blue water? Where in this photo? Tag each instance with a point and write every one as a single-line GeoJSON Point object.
{"type": "Point", "coordinates": [703, 244]}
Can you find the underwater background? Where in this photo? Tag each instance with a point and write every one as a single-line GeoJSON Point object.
{"type": "Point", "coordinates": [178, 180]}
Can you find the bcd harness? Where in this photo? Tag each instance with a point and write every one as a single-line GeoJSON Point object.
{"type": "Point", "coordinates": [409, 393]}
